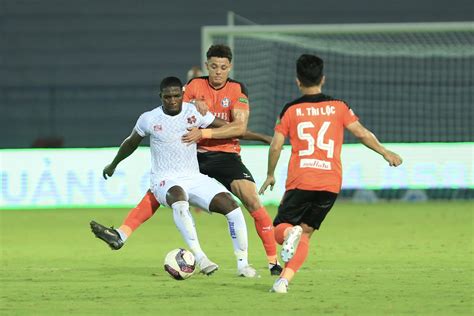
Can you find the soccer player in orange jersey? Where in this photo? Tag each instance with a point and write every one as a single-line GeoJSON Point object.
{"type": "Point", "coordinates": [218, 149]}
{"type": "Point", "coordinates": [218, 154]}
{"type": "Point", "coordinates": [315, 124]}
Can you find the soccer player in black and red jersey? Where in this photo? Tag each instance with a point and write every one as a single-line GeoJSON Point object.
{"type": "Point", "coordinates": [218, 150]}
{"type": "Point", "coordinates": [315, 125]}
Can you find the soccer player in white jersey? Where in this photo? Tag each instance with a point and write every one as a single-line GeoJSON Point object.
{"type": "Point", "coordinates": [175, 177]}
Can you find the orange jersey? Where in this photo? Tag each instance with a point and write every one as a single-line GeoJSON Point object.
{"type": "Point", "coordinates": [233, 95]}
{"type": "Point", "coordinates": [315, 125]}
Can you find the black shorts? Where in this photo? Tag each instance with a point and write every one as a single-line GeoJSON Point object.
{"type": "Point", "coordinates": [302, 206]}
{"type": "Point", "coordinates": [224, 167]}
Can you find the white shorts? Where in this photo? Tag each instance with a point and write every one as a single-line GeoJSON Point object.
{"type": "Point", "coordinates": [200, 189]}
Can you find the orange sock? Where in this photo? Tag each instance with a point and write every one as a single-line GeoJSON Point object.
{"type": "Point", "coordinates": [298, 259]}
{"type": "Point", "coordinates": [140, 214]}
{"type": "Point", "coordinates": [280, 232]}
{"type": "Point", "coordinates": [264, 226]}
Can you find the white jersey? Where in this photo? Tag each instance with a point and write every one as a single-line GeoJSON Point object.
{"type": "Point", "coordinates": [170, 157]}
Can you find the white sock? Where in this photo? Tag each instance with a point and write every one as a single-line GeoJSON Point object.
{"type": "Point", "coordinates": [122, 235]}
{"type": "Point", "coordinates": [185, 223]}
{"type": "Point", "coordinates": [238, 233]}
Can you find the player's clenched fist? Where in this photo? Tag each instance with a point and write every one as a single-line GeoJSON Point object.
{"type": "Point", "coordinates": [392, 158]}
{"type": "Point", "coordinates": [108, 171]}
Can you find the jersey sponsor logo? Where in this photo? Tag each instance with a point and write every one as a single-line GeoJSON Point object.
{"type": "Point", "coordinates": [191, 119]}
{"type": "Point", "coordinates": [315, 164]}
{"type": "Point", "coordinates": [157, 128]}
{"type": "Point", "coordinates": [221, 115]}
{"type": "Point", "coordinates": [225, 102]}
{"type": "Point", "coordinates": [244, 100]}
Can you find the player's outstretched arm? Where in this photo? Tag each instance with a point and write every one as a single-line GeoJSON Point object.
{"type": "Point", "coordinates": [367, 138]}
{"type": "Point", "coordinates": [273, 155]}
{"type": "Point", "coordinates": [236, 128]}
{"type": "Point", "coordinates": [128, 146]}
{"type": "Point", "coordinates": [195, 135]}
{"type": "Point", "coordinates": [250, 135]}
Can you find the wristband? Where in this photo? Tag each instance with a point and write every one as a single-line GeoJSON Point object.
{"type": "Point", "coordinates": [206, 133]}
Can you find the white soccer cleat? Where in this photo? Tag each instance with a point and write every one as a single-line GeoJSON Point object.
{"type": "Point", "coordinates": [247, 272]}
{"type": "Point", "coordinates": [280, 286]}
{"type": "Point", "coordinates": [206, 266]}
{"type": "Point", "coordinates": [290, 244]}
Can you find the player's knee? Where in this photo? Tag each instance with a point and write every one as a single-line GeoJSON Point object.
{"type": "Point", "coordinates": [307, 230]}
{"type": "Point", "coordinates": [223, 203]}
{"type": "Point", "coordinates": [174, 194]}
{"type": "Point", "coordinates": [247, 194]}
{"type": "Point", "coordinates": [251, 202]}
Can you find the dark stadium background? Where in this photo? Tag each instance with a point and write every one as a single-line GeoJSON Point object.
{"type": "Point", "coordinates": [78, 73]}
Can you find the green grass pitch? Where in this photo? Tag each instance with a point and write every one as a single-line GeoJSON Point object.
{"type": "Point", "coordinates": [377, 259]}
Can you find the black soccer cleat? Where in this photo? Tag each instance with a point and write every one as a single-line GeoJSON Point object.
{"type": "Point", "coordinates": [108, 235]}
{"type": "Point", "coordinates": [276, 269]}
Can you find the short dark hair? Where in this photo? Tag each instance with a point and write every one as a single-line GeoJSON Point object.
{"type": "Point", "coordinates": [170, 82]}
{"type": "Point", "coordinates": [219, 50]}
{"type": "Point", "coordinates": [309, 70]}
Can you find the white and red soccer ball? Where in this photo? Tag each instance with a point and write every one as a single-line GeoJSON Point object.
{"type": "Point", "coordinates": [180, 264]}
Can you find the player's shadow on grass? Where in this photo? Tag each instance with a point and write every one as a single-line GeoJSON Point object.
{"type": "Point", "coordinates": [251, 286]}
{"type": "Point", "coordinates": [257, 287]}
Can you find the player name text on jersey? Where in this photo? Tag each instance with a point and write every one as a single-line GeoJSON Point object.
{"type": "Point", "coordinates": [314, 111]}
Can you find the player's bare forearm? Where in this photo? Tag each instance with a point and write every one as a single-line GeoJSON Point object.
{"type": "Point", "coordinates": [273, 157]}
{"type": "Point", "coordinates": [274, 152]}
{"type": "Point", "coordinates": [236, 128]}
{"type": "Point", "coordinates": [128, 146]}
{"type": "Point", "coordinates": [231, 130]}
{"type": "Point", "coordinates": [195, 134]}
{"type": "Point", "coordinates": [370, 141]}
{"type": "Point", "coordinates": [368, 138]}
{"type": "Point", "coordinates": [224, 130]}
{"type": "Point", "coordinates": [250, 135]}
{"type": "Point", "coordinates": [391, 157]}
{"type": "Point", "coordinates": [125, 150]}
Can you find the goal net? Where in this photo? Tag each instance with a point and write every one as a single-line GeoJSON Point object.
{"type": "Point", "coordinates": [409, 83]}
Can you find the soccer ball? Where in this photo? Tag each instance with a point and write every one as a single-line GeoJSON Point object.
{"type": "Point", "coordinates": [180, 264]}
